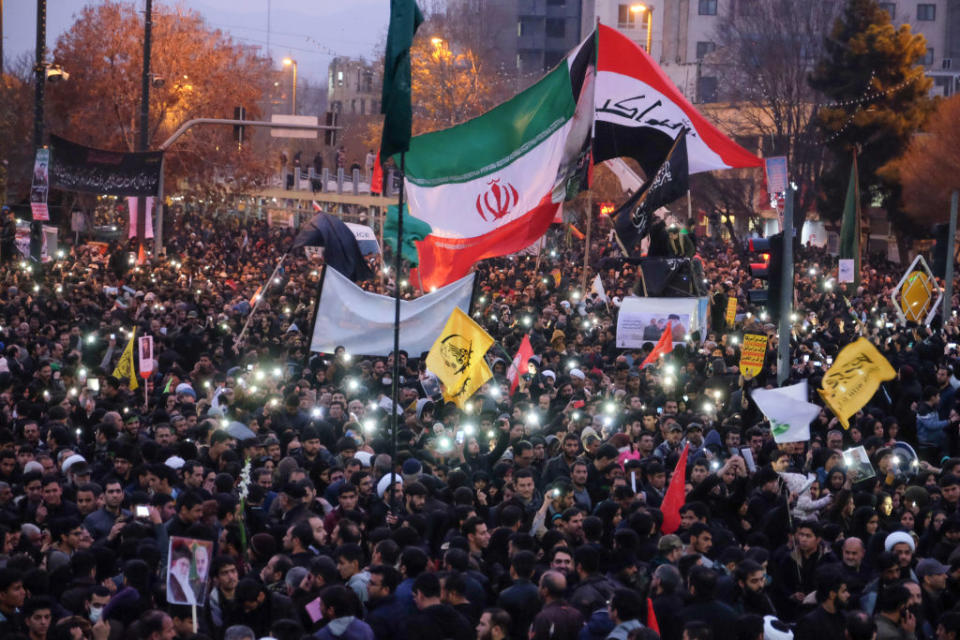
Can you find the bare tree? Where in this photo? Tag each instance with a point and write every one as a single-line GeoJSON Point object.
{"type": "Point", "coordinates": [766, 50]}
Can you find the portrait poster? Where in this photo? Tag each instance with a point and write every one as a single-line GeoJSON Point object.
{"type": "Point", "coordinates": [643, 320]}
{"type": "Point", "coordinates": [188, 569]}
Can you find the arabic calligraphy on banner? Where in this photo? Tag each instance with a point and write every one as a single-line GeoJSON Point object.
{"type": "Point", "coordinates": [853, 379]}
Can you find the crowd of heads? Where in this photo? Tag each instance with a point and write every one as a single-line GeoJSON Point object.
{"type": "Point", "coordinates": [536, 510]}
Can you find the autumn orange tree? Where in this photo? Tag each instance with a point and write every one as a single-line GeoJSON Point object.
{"type": "Point", "coordinates": [198, 72]}
{"type": "Point", "coordinates": [927, 169]}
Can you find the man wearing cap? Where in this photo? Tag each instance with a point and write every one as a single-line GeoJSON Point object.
{"type": "Point", "coordinates": [933, 580]}
{"type": "Point", "coordinates": [673, 437]}
{"type": "Point", "coordinates": [669, 551]}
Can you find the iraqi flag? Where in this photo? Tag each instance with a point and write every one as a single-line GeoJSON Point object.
{"type": "Point", "coordinates": [640, 112]}
{"type": "Point", "coordinates": [519, 363]}
{"type": "Point", "coordinates": [492, 185]}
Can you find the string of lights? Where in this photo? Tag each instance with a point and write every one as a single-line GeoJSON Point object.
{"type": "Point", "coordinates": [860, 103]}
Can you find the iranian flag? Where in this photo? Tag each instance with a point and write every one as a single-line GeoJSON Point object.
{"type": "Point", "coordinates": [640, 112]}
{"type": "Point", "coordinates": [491, 186]}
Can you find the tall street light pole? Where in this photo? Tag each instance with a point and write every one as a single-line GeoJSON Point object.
{"type": "Point", "coordinates": [648, 12]}
{"type": "Point", "coordinates": [288, 62]}
{"type": "Point", "coordinates": [144, 139]}
{"type": "Point", "coordinates": [40, 69]}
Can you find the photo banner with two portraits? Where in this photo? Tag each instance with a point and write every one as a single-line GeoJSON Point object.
{"type": "Point", "coordinates": [188, 570]}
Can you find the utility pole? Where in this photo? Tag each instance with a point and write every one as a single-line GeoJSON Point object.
{"type": "Point", "coordinates": [144, 141]}
{"type": "Point", "coordinates": [947, 306]}
{"type": "Point", "coordinates": [786, 290]}
{"type": "Point", "coordinates": [40, 69]}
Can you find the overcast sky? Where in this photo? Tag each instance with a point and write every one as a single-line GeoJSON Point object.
{"type": "Point", "coordinates": [310, 31]}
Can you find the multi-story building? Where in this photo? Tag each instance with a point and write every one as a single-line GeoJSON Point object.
{"type": "Point", "coordinates": [546, 31]}
{"type": "Point", "coordinates": [682, 34]}
{"type": "Point", "coordinates": [353, 86]}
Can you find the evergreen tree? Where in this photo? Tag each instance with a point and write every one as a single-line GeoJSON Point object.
{"type": "Point", "coordinates": [872, 73]}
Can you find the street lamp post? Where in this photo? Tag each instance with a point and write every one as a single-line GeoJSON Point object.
{"type": "Point", "coordinates": [287, 62]}
{"type": "Point", "coordinates": [642, 8]}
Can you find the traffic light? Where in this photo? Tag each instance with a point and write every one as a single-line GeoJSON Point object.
{"type": "Point", "coordinates": [769, 268]}
{"type": "Point", "coordinates": [239, 113]}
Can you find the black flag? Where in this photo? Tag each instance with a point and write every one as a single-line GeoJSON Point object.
{"type": "Point", "coordinates": [633, 219]}
{"type": "Point", "coordinates": [341, 251]}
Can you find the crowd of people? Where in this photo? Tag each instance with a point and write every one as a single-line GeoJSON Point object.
{"type": "Point", "coordinates": [533, 512]}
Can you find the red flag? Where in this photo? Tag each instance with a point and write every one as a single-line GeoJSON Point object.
{"type": "Point", "coordinates": [663, 347]}
{"type": "Point", "coordinates": [376, 180]}
{"type": "Point", "coordinates": [652, 616]}
{"type": "Point", "coordinates": [519, 363]}
{"type": "Point", "coordinates": [317, 207]}
{"type": "Point", "coordinates": [415, 281]}
{"type": "Point", "coordinates": [141, 256]}
{"type": "Point", "coordinates": [675, 496]}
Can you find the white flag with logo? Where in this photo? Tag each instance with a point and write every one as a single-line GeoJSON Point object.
{"type": "Point", "coordinates": [597, 288]}
{"type": "Point", "coordinates": [788, 411]}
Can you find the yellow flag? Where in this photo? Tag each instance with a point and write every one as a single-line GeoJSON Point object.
{"type": "Point", "coordinates": [457, 357]}
{"type": "Point", "coordinates": [853, 379]}
{"type": "Point", "coordinates": [125, 368]}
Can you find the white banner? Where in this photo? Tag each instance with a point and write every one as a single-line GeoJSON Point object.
{"type": "Point", "coordinates": [788, 411]}
{"type": "Point", "coordinates": [643, 320]}
{"type": "Point", "coordinates": [362, 322]}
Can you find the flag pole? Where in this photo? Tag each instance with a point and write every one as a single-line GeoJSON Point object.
{"type": "Point", "coordinates": [586, 247]}
{"type": "Point", "coordinates": [256, 305]}
{"type": "Point", "coordinates": [396, 325]}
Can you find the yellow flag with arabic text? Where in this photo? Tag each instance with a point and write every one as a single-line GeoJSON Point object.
{"type": "Point", "coordinates": [853, 379]}
{"type": "Point", "coordinates": [457, 357]}
{"type": "Point", "coordinates": [125, 368]}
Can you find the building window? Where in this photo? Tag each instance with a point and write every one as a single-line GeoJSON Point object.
{"type": "Point", "coordinates": [556, 3]}
{"type": "Point", "coordinates": [928, 59]}
{"type": "Point", "coordinates": [705, 48]}
{"type": "Point", "coordinates": [890, 8]}
{"type": "Point", "coordinates": [625, 17]}
{"type": "Point", "coordinates": [707, 90]}
{"type": "Point", "coordinates": [339, 78]}
{"type": "Point", "coordinates": [926, 12]}
{"type": "Point", "coordinates": [353, 106]}
{"type": "Point", "coordinates": [708, 7]}
{"type": "Point", "coordinates": [556, 27]}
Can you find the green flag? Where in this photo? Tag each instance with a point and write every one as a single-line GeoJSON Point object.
{"type": "Point", "coordinates": [850, 228]}
{"type": "Point", "coordinates": [413, 229]}
{"type": "Point", "coordinates": [405, 17]}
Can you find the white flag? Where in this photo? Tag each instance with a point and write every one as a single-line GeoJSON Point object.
{"type": "Point", "coordinates": [788, 411]}
{"type": "Point", "coordinates": [362, 322]}
{"type": "Point", "coordinates": [597, 288]}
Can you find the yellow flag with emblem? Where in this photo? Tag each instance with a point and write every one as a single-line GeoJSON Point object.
{"type": "Point", "coordinates": [853, 379]}
{"type": "Point", "coordinates": [457, 357]}
{"type": "Point", "coordinates": [125, 368]}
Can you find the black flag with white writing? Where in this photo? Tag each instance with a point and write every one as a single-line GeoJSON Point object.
{"type": "Point", "coordinates": [632, 220]}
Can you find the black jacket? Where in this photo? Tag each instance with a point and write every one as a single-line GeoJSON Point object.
{"type": "Point", "coordinates": [717, 615]}
{"type": "Point", "coordinates": [591, 594]}
{"type": "Point", "coordinates": [522, 602]}
{"type": "Point", "coordinates": [819, 625]}
{"type": "Point", "coordinates": [439, 622]}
